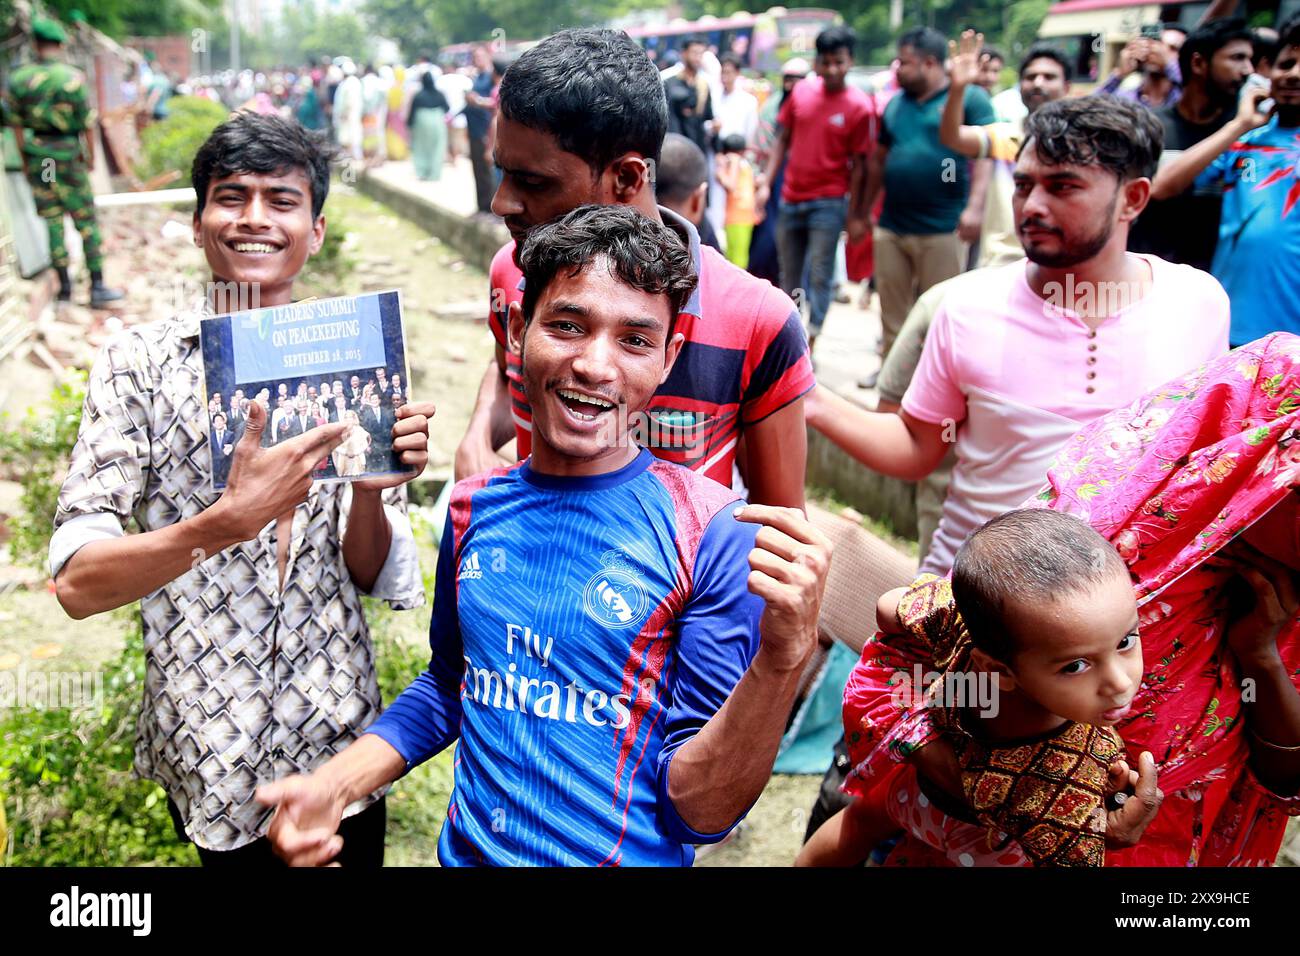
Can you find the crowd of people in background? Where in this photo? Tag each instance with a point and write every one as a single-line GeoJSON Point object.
{"type": "Point", "coordinates": [373, 113]}
{"type": "Point", "coordinates": [819, 180]}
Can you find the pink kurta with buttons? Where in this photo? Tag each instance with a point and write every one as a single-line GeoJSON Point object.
{"type": "Point", "coordinates": [1017, 374]}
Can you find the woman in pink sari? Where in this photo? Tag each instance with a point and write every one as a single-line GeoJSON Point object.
{"type": "Point", "coordinates": [1170, 481]}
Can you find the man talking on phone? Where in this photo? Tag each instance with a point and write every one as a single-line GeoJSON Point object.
{"type": "Point", "coordinates": [1254, 159]}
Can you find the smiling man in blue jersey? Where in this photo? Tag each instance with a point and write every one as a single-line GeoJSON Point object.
{"type": "Point", "coordinates": [616, 641]}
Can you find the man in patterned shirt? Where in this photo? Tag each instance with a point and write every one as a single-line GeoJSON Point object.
{"type": "Point", "coordinates": [258, 661]}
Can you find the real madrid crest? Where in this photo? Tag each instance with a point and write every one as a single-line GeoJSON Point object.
{"type": "Point", "coordinates": [614, 595]}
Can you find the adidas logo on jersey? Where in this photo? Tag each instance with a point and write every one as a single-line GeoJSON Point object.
{"type": "Point", "coordinates": [469, 569]}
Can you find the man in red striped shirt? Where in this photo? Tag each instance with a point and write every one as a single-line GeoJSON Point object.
{"type": "Point", "coordinates": [582, 117]}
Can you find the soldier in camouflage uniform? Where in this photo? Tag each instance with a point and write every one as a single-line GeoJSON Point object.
{"type": "Point", "coordinates": [47, 105]}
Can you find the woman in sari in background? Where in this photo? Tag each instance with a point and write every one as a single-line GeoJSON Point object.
{"type": "Point", "coordinates": [428, 124]}
{"type": "Point", "coordinates": [308, 111]}
{"type": "Point", "coordinates": [397, 135]}
{"type": "Point", "coordinates": [1195, 485]}
{"type": "Point", "coordinates": [374, 116]}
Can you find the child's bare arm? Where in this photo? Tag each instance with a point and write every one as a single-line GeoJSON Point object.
{"type": "Point", "coordinates": [724, 172]}
{"type": "Point", "coordinates": [887, 611]}
{"type": "Point", "coordinates": [848, 838]}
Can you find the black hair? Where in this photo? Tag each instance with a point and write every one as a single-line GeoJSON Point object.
{"type": "Point", "coordinates": [682, 167]}
{"type": "Point", "coordinates": [836, 38]}
{"type": "Point", "coordinates": [733, 143]}
{"type": "Point", "coordinates": [1176, 27]}
{"type": "Point", "coordinates": [1208, 39]}
{"type": "Point", "coordinates": [734, 60]}
{"type": "Point", "coordinates": [1288, 34]}
{"type": "Point", "coordinates": [595, 91]}
{"type": "Point", "coordinates": [499, 65]}
{"type": "Point", "coordinates": [1024, 556]}
{"type": "Point", "coordinates": [693, 40]}
{"type": "Point", "coordinates": [993, 53]}
{"type": "Point", "coordinates": [253, 143]}
{"type": "Point", "coordinates": [645, 254]}
{"type": "Point", "coordinates": [926, 41]}
{"type": "Point", "coordinates": [1097, 130]}
{"type": "Point", "coordinates": [1265, 41]}
{"type": "Point", "coordinates": [1045, 51]}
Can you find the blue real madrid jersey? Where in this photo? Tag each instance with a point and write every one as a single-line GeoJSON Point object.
{"type": "Point", "coordinates": [583, 629]}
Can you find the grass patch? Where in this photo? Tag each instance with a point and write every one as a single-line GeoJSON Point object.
{"type": "Point", "coordinates": [880, 527]}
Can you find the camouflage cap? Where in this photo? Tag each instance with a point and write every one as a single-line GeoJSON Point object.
{"type": "Point", "coordinates": [48, 31]}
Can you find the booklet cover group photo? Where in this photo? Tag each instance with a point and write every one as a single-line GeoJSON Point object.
{"type": "Point", "coordinates": [309, 364]}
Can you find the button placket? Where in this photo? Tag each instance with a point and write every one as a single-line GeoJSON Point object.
{"type": "Point", "coordinates": [1091, 361]}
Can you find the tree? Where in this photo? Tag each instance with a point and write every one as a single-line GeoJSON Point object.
{"type": "Point", "coordinates": [1022, 26]}
{"type": "Point", "coordinates": [335, 34]}
{"type": "Point", "coordinates": [124, 18]}
{"type": "Point", "coordinates": [411, 22]}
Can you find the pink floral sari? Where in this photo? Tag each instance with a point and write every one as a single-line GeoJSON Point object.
{"type": "Point", "coordinates": [1169, 480]}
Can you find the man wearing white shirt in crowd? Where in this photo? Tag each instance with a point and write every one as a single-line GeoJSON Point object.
{"type": "Point", "coordinates": [737, 109]}
{"type": "Point", "coordinates": [454, 85]}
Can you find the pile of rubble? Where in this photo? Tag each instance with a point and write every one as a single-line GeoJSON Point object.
{"type": "Point", "coordinates": [150, 252]}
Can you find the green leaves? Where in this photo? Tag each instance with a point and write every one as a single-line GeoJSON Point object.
{"type": "Point", "coordinates": [172, 143]}
{"type": "Point", "coordinates": [33, 453]}
{"type": "Point", "coordinates": [126, 18]}
{"type": "Point", "coordinates": [67, 784]}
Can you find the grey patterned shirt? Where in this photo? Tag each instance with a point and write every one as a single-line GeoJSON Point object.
{"type": "Point", "coordinates": [245, 683]}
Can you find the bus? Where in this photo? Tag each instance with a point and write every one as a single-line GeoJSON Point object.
{"type": "Point", "coordinates": [763, 41]}
{"type": "Point", "coordinates": [457, 56]}
{"type": "Point", "coordinates": [1093, 32]}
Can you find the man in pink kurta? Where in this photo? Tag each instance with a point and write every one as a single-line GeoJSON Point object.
{"type": "Point", "coordinates": [1018, 375]}
{"type": "Point", "coordinates": [1019, 357]}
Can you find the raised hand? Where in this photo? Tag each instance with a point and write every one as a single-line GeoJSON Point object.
{"type": "Point", "coordinates": [1249, 113]}
{"type": "Point", "coordinates": [789, 564]}
{"type": "Point", "coordinates": [964, 59]}
{"type": "Point", "coordinates": [1254, 636]}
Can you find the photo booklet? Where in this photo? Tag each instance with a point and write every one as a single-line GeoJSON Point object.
{"type": "Point", "coordinates": [309, 363]}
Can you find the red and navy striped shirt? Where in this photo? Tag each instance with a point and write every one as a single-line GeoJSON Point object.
{"type": "Point", "coordinates": [745, 357]}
